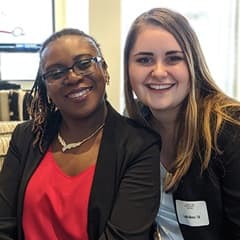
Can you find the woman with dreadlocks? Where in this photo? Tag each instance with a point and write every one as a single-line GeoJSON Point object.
{"type": "Point", "coordinates": [77, 169]}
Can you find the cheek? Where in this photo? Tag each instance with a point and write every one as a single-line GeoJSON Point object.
{"type": "Point", "coordinates": [185, 86]}
{"type": "Point", "coordinates": [135, 76]}
{"type": "Point", "coordinates": [187, 82]}
{"type": "Point", "coordinates": [49, 90]}
{"type": "Point", "coordinates": [184, 77]}
{"type": "Point", "coordinates": [101, 80]}
{"type": "Point", "coordinates": [52, 92]}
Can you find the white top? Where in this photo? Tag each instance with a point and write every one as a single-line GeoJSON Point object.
{"type": "Point", "coordinates": [166, 218]}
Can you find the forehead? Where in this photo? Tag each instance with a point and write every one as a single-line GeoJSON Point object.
{"type": "Point", "coordinates": [155, 38]}
{"type": "Point", "coordinates": [67, 47]}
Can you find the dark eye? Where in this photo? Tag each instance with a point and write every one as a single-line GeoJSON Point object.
{"type": "Point", "coordinates": [144, 60]}
{"type": "Point", "coordinates": [83, 64]}
{"type": "Point", "coordinates": [174, 59]}
{"type": "Point", "coordinates": [55, 74]}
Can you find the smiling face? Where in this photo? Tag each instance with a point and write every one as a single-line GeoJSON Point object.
{"type": "Point", "coordinates": [75, 95]}
{"type": "Point", "coordinates": [158, 72]}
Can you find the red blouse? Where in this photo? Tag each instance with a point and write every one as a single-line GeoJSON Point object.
{"type": "Point", "coordinates": [55, 204]}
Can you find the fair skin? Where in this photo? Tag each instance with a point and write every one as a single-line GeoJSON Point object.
{"type": "Point", "coordinates": [80, 99]}
{"type": "Point", "coordinates": [159, 76]}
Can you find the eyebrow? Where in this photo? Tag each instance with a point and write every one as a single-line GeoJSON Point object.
{"type": "Point", "coordinates": [83, 55]}
{"type": "Point", "coordinates": [144, 53]}
{"type": "Point", "coordinates": [174, 52]}
{"type": "Point", "coordinates": [151, 54]}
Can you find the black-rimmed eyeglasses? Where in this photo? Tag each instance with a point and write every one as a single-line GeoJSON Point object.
{"type": "Point", "coordinates": [80, 67]}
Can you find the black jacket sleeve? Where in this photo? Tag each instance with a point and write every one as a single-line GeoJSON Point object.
{"type": "Point", "coordinates": [9, 185]}
{"type": "Point", "coordinates": [137, 200]}
{"type": "Point", "coordinates": [231, 182]}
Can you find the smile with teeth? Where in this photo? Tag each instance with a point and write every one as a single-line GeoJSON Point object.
{"type": "Point", "coordinates": [81, 93]}
{"type": "Point", "coordinates": [160, 86]}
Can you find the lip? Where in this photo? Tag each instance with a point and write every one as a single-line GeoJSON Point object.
{"type": "Point", "coordinates": [79, 94]}
{"type": "Point", "coordinates": [160, 86]}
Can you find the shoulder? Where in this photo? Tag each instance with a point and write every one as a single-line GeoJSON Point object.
{"type": "Point", "coordinates": [23, 132]}
{"type": "Point", "coordinates": [24, 127]}
{"type": "Point", "coordinates": [21, 141]}
{"type": "Point", "coordinates": [229, 142]}
{"type": "Point", "coordinates": [229, 132]}
{"type": "Point", "coordinates": [130, 129]}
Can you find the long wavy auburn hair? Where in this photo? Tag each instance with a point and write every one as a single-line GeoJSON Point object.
{"type": "Point", "coordinates": [205, 108]}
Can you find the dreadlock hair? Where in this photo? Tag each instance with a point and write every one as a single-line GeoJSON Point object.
{"type": "Point", "coordinates": [43, 112]}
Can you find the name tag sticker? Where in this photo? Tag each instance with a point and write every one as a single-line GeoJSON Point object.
{"type": "Point", "coordinates": [192, 213]}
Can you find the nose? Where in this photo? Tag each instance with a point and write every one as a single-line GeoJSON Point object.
{"type": "Point", "coordinates": [71, 77]}
{"type": "Point", "coordinates": [159, 70]}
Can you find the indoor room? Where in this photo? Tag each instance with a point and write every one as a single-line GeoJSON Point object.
{"type": "Point", "coordinates": [22, 32]}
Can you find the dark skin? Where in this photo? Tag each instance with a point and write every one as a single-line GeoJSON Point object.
{"type": "Point", "coordinates": [83, 111]}
{"type": "Point", "coordinates": [78, 159]}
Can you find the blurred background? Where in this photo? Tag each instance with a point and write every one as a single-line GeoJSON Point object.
{"type": "Point", "coordinates": [26, 25]}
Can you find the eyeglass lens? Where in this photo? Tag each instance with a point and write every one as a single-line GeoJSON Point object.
{"type": "Point", "coordinates": [80, 67]}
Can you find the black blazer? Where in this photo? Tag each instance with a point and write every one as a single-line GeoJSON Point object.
{"type": "Point", "coordinates": [219, 187]}
{"type": "Point", "coordinates": [124, 198]}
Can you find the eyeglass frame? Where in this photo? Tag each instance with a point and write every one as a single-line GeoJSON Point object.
{"type": "Point", "coordinates": [65, 70]}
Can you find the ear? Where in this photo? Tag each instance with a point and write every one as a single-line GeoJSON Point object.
{"type": "Point", "coordinates": [104, 65]}
{"type": "Point", "coordinates": [51, 105]}
{"type": "Point", "coordinates": [105, 72]}
{"type": "Point", "coordinates": [49, 100]}
{"type": "Point", "coordinates": [107, 77]}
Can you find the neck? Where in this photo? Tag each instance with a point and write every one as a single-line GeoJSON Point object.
{"type": "Point", "coordinates": [74, 130]}
{"type": "Point", "coordinates": [68, 146]}
{"type": "Point", "coordinates": [167, 128]}
{"type": "Point", "coordinates": [163, 126]}
{"type": "Point", "coordinates": [165, 118]}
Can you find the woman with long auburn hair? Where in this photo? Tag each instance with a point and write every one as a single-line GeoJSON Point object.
{"type": "Point", "coordinates": [164, 67]}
